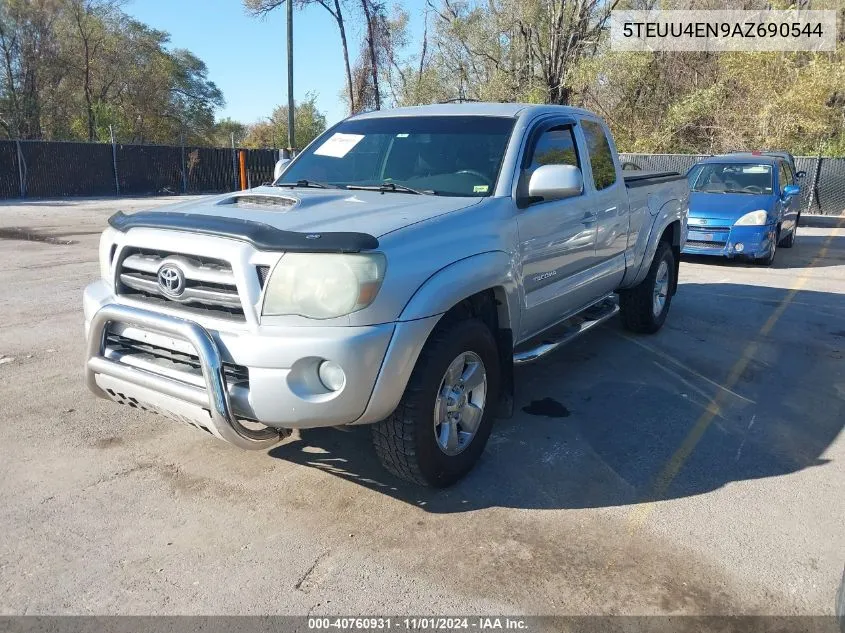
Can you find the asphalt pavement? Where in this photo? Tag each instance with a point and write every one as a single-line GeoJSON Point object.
{"type": "Point", "coordinates": [700, 470]}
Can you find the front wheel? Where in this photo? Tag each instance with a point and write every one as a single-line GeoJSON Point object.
{"type": "Point", "coordinates": [769, 258]}
{"type": "Point", "coordinates": [789, 240]}
{"type": "Point", "coordinates": [440, 428]}
{"type": "Point", "coordinates": [644, 307]}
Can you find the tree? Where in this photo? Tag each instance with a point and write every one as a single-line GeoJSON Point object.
{"type": "Point", "coordinates": [227, 128]}
{"type": "Point", "coordinates": [372, 14]}
{"type": "Point", "coordinates": [72, 68]}
{"type": "Point", "coordinates": [90, 28]}
{"type": "Point", "coordinates": [273, 132]}
{"type": "Point", "coordinates": [28, 49]}
{"type": "Point", "coordinates": [263, 7]}
{"type": "Point", "coordinates": [379, 63]}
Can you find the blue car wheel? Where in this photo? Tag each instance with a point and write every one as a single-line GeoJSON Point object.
{"type": "Point", "coordinates": [789, 240]}
{"type": "Point", "coordinates": [769, 258]}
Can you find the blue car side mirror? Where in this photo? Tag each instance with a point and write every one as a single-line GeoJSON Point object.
{"type": "Point", "coordinates": [791, 190]}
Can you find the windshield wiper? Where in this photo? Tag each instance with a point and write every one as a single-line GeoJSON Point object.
{"type": "Point", "coordinates": [392, 187]}
{"type": "Point", "coordinates": [307, 183]}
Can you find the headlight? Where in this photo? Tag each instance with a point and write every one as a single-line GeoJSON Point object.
{"type": "Point", "coordinates": [106, 254]}
{"type": "Point", "coordinates": [755, 218]}
{"type": "Point", "coordinates": [323, 285]}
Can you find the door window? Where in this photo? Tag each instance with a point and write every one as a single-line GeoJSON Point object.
{"type": "Point", "coordinates": [783, 177]}
{"type": "Point", "coordinates": [790, 175]}
{"type": "Point", "coordinates": [601, 158]}
{"type": "Point", "coordinates": [554, 147]}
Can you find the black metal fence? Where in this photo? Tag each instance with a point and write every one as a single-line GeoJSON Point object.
{"type": "Point", "coordinates": [46, 169]}
{"type": "Point", "coordinates": [822, 188]}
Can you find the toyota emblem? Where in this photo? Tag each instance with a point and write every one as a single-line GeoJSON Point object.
{"type": "Point", "coordinates": [171, 280]}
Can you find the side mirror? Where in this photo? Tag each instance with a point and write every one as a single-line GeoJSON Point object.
{"type": "Point", "coordinates": [801, 174]}
{"type": "Point", "coordinates": [555, 182]}
{"type": "Point", "coordinates": [280, 167]}
{"type": "Point", "coordinates": [791, 190]}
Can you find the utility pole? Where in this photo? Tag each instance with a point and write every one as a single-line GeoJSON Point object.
{"type": "Point", "coordinates": [114, 161]}
{"type": "Point", "coordinates": [291, 105]}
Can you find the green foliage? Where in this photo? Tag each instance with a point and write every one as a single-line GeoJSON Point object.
{"type": "Point", "coordinates": [225, 129]}
{"type": "Point", "coordinates": [308, 123]}
{"type": "Point", "coordinates": [711, 103]}
{"type": "Point", "coordinates": [556, 51]}
{"type": "Point", "coordinates": [72, 68]}
{"type": "Point", "coordinates": [556, 156]}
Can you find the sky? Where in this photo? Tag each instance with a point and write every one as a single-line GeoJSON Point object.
{"type": "Point", "coordinates": [246, 56]}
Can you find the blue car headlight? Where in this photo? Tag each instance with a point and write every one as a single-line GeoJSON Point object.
{"type": "Point", "coordinates": [755, 218]}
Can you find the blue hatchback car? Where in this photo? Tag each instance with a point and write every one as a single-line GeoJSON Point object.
{"type": "Point", "coordinates": [742, 205]}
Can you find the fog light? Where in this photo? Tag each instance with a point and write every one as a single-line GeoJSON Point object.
{"type": "Point", "coordinates": [331, 375]}
{"type": "Point", "coordinates": [738, 247]}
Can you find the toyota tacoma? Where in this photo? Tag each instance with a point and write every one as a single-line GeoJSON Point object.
{"type": "Point", "coordinates": [392, 275]}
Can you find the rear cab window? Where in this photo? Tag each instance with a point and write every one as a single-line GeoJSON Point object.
{"type": "Point", "coordinates": [600, 155]}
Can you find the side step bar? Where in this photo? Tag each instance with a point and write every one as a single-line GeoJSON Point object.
{"type": "Point", "coordinates": [583, 322]}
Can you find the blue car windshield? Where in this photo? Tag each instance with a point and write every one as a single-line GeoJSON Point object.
{"type": "Point", "coordinates": [750, 178]}
{"type": "Point", "coordinates": [442, 155]}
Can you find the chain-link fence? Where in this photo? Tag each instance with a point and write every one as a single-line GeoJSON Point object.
{"type": "Point", "coordinates": [822, 188]}
{"type": "Point", "coordinates": [47, 169]}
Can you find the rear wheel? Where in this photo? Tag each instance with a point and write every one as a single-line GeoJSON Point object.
{"type": "Point", "coordinates": [644, 307]}
{"type": "Point", "coordinates": [440, 428]}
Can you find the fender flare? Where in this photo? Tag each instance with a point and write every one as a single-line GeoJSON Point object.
{"type": "Point", "coordinates": [435, 296]}
{"type": "Point", "coordinates": [667, 215]}
{"type": "Point", "coordinates": [461, 279]}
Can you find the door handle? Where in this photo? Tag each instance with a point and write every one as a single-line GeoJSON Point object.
{"type": "Point", "coordinates": [589, 218]}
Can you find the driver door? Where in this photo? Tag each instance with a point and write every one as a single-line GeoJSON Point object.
{"type": "Point", "coordinates": [557, 238]}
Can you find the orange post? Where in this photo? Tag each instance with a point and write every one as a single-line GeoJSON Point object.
{"type": "Point", "coordinates": [242, 164]}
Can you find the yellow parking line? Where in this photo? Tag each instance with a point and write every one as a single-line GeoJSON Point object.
{"type": "Point", "coordinates": [707, 397]}
{"type": "Point", "coordinates": [815, 306]}
{"type": "Point", "coordinates": [677, 363]}
{"type": "Point", "coordinates": [664, 479]}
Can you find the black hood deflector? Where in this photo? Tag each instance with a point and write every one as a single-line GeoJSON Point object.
{"type": "Point", "coordinates": [262, 236]}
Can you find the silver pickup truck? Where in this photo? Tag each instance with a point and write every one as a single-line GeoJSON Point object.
{"type": "Point", "coordinates": [392, 275]}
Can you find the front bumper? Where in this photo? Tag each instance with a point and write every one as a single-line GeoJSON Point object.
{"type": "Point", "coordinates": [753, 241]}
{"type": "Point", "coordinates": [222, 380]}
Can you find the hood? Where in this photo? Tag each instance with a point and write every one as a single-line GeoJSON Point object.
{"type": "Point", "coordinates": [325, 210]}
{"type": "Point", "coordinates": [726, 206]}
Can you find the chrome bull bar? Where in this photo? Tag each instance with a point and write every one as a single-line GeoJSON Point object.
{"type": "Point", "coordinates": [222, 422]}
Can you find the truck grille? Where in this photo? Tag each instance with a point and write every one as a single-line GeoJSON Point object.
{"type": "Point", "coordinates": [209, 284]}
{"type": "Point", "coordinates": [165, 358]}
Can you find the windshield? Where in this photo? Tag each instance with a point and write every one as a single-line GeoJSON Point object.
{"type": "Point", "coordinates": [442, 155]}
{"type": "Point", "coordinates": [733, 178]}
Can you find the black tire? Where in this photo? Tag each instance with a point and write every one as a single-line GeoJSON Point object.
{"type": "Point", "coordinates": [405, 442]}
{"type": "Point", "coordinates": [636, 304]}
{"type": "Point", "coordinates": [769, 259]}
{"type": "Point", "coordinates": [789, 240]}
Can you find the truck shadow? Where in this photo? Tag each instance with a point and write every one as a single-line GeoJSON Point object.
{"type": "Point", "coordinates": [599, 423]}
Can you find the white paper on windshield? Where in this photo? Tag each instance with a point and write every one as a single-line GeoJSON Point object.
{"type": "Point", "coordinates": [338, 145]}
